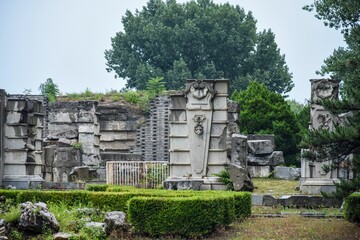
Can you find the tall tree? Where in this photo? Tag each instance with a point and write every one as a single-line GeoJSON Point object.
{"type": "Point", "coordinates": [343, 64]}
{"type": "Point", "coordinates": [196, 39]}
{"type": "Point", "coordinates": [263, 111]}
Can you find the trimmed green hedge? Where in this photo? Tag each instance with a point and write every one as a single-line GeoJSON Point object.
{"type": "Point", "coordinates": [97, 187]}
{"type": "Point", "coordinates": [190, 216]}
{"type": "Point", "coordinates": [352, 208]}
{"type": "Point", "coordinates": [155, 212]}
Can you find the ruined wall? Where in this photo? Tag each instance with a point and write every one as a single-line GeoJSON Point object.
{"type": "Point", "coordinates": [71, 122]}
{"type": "Point", "coordinates": [118, 125]}
{"type": "Point", "coordinates": [23, 131]}
{"type": "Point", "coordinates": [152, 138]}
{"type": "Point", "coordinates": [2, 123]}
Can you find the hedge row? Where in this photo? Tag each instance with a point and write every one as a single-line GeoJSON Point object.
{"type": "Point", "coordinates": [189, 217]}
{"type": "Point", "coordinates": [352, 208]}
{"type": "Point", "coordinates": [155, 212]}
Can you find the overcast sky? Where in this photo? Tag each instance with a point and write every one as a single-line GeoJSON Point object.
{"type": "Point", "coordinates": [65, 40]}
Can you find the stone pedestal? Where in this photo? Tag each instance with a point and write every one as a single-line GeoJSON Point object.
{"type": "Point", "coordinates": [318, 185]}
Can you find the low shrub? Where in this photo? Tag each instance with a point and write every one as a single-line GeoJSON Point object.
{"type": "Point", "coordinates": [352, 208]}
{"type": "Point", "coordinates": [189, 216]}
{"type": "Point", "coordinates": [97, 187]}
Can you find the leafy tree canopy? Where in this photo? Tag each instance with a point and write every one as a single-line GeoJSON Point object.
{"type": "Point", "coordinates": [196, 39]}
{"type": "Point", "coordinates": [49, 89]}
{"type": "Point", "coordinates": [263, 111]}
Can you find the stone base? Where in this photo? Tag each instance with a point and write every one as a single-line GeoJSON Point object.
{"type": "Point", "coordinates": [22, 181]}
{"type": "Point", "coordinates": [318, 185]}
{"type": "Point", "coordinates": [208, 183]}
{"type": "Point", "coordinates": [259, 171]}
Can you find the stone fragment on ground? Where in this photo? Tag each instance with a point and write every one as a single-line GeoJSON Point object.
{"type": "Point", "coordinates": [37, 218]}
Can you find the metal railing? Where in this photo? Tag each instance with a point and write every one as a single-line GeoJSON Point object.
{"type": "Point", "coordinates": [144, 174]}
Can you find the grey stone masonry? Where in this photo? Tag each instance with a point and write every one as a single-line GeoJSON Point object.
{"type": "Point", "coordinates": [2, 123]}
{"type": "Point", "coordinates": [152, 139]}
{"type": "Point", "coordinates": [76, 121]}
{"type": "Point", "coordinates": [23, 140]}
{"type": "Point", "coordinates": [118, 125]}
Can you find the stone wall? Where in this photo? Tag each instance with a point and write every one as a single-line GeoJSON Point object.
{"type": "Point", "coordinates": [2, 135]}
{"type": "Point", "coordinates": [23, 131]}
{"type": "Point", "coordinates": [118, 125]}
{"type": "Point", "coordinates": [152, 139]}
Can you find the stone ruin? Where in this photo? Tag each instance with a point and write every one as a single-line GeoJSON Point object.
{"type": "Point", "coordinates": [314, 179]}
{"type": "Point", "coordinates": [64, 144]}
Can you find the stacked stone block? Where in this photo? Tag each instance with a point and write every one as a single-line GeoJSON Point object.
{"type": "Point", "coordinates": [152, 139]}
{"type": "Point", "coordinates": [23, 142]}
{"type": "Point", "coordinates": [262, 157]}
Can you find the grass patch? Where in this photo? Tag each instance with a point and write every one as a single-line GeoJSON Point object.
{"type": "Point", "coordinates": [280, 209]}
{"type": "Point", "coordinates": [275, 187]}
{"type": "Point", "coordinates": [293, 227]}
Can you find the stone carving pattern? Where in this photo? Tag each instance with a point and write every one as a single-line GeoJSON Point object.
{"type": "Point", "coordinates": [199, 119]}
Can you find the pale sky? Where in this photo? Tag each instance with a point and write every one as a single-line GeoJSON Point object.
{"type": "Point", "coordinates": [65, 40]}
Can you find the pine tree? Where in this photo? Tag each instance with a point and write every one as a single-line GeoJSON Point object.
{"type": "Point", "coordinates": [343, 143]}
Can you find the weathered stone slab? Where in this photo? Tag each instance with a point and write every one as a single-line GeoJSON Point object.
{"type": "Point", "coordinates": [260, 146]}
{"type": "Point", "coordinates": [287, 173]}
{"type": "Point", "coordinates": [240, 178]}
{"type": "Point", "coordinates": [259, 171]}
{"type": "Point", "coordinates": [239, 150]}
{"type": "Point", "coordinates": [270, 137]}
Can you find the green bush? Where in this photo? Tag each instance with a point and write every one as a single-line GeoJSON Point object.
{"type": "Point", "coordinates": [97, 187]}
{"type": "Point", "coordinates": [190, 217]}
{"type": "Point", "coordinates": [352, 208]}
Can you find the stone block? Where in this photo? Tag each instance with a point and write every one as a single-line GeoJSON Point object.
{"type": "Point", "coordinates": [260, 146]}
{"type": "Point", "coordinates": [13, 117]}
{"type": "Point", "coordinates": [318, 185]}
{"type": "Point", "coordinates": [220, 103]}
{"type": "Point", "coordinates": [180, 157]}
{"type": "Point", "coordinates": [62, 117]}
{"type": "Point", "coordinates": [15, 143]}
{"type": "Point", "coordinates": [270, 137]}
{"type": "Point", "coordinates": [233, 107]}
{"type": "Point", "coordinates": [179, 143]}
{"type": "Point", "coordinates": [218, 129]}
{"type": "Point", "coordinates": [12, 169]}
{"type": "Point", "coordinates": [178, 129]}
{"type": "Point", "coordinates": [287, 173]}
{"type": "Point", "coordinates": [239, 150]}
{"type": "Point", "coordinates": [17, 156]}
{"type": "Point", "coordinates": [221, 86]}
{"type": "Point", "coordinates": [273, 159]}
{"type": "Point", "coordinates": [16, 105]}
{"type": "Point", "coordinates": [177, 115]}
{"type": "Point", "coordinates": [219, 115]}
{"type": "Point", "coordinates": [257, 199]}
{"type": "Point", "coordinates": [218, 142]}
{"type": "Point", "coordinates": [259, 171]}
{"type": "Point", "coordinates": [180, 170]}
{"type": "Point", "coordinates": [16, 131]}
{"type": "Point", "coordinates": [114, 156]}
{"type": "Point", "coordinates": [182, 184]}
{"type": "Point", "coordinates": [240, 178]}
{"type": "Point", "coordinates": [178, 101]}
{"type": "Point", "coordinates": [217, 158]}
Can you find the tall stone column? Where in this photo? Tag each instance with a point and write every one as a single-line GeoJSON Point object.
{"type": "Point", "coordinates": [314, 179]}
{"type": "Point", "coordinates": [198, 134]}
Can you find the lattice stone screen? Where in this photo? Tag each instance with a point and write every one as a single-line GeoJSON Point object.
{"type": "Point", "coordinates": [144, 174]}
